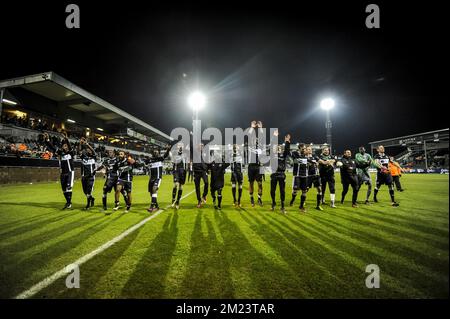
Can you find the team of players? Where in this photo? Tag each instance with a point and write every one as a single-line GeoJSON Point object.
{"type": "Point", "coordinates": [309, 171]}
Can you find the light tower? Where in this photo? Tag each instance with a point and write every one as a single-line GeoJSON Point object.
{"type": "Point", "coordinates": [326, 105]}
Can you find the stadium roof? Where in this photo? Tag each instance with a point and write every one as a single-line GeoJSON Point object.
{"type": "Point", "coordinates": [65, 93]}
{"type": "Point", "coordinates": [414, 138]}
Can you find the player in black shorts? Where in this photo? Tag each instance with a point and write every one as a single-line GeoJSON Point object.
{"type": "Point", "coordinates": [200, 170]}
{"type": "Point", "coordinates": [313, 175]}
{"type": "Point", "coordinates": [383, 175]}
{"type": "Point", "coordinates": [88, 169]}
{"type": "Point", "coordinates": [300, 176]}
{"type": "Point", "coordinates": [110, 165]}
{"type": "Point", "coordinates": [236, 175]}
{"type": "Point", "coordinates": [349, 176]}
{"type": "Point", "coordinates": [254, 169]}
{"type": "Point", "coordinates": [180, 167]}
{"type": "Point", "coordinates": [155, 169]}
{"type": "Point", "coordinates": [65, 155]}
{"type": "Point", "coordinates": [125, 166]}
{"type": "Point", "coordinates": [278, 166]}
{"type": "Point", "coordinates": [326, 172]}
{"type": "Point", "coordinates": [217, 168]}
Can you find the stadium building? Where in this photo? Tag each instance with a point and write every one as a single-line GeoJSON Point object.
{"type": "Point", "coordinates": [421, 152]}
{"type": "Point", "coordinates": [46, 102]}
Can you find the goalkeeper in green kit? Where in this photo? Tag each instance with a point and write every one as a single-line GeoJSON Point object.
{"type": "Point", "coordinates": [363, 162]}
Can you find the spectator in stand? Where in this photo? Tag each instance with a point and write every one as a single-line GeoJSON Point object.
{"type": "Point", "coordinates": [13, 150]}
{"type": "Point", "coordinates": [22, 147]}
{"type": "Point", "coordinates": [396, 172]}
{"type": "Point", "coordinates": [46, 155]}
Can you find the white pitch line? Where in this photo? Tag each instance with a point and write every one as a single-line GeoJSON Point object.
{"type": "Point", "coordinates": [66, 270]}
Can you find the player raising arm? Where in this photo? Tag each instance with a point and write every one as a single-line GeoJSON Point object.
{"type": "Point", "coordinates": [255, 170]}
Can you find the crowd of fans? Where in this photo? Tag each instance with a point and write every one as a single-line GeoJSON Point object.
{"type": "Point", "coordinates": [42, 124]}
{"type": "Point", "coordinates": [35, 148]}
{"type": "Point", "coordinates": [39, 124]}
{"type": "Point", "coordinates": [25, 148]}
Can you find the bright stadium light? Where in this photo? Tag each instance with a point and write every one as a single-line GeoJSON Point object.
{"type": "Point", "coordinates": [100, 129]}
{"type": "Point", "coordinates": [327, 104]}
{"type": "Point", "coordinates": [70, 121]}
{"type": "Point", "coordinates": [197, 100]}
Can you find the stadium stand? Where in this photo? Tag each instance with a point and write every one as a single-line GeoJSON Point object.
{"type": "Point", "coordinates": [420, 153]}
{"type": "Point", "coordinates": [47, 103]}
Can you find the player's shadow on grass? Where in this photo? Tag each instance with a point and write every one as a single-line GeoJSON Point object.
{"type": "Point", "coordinates": [355, 245]}
{"type": "Point", "coordinates": [405, 221]}
{"type": "Point", "coordinates": [148, 278]}
{"type": "Point", "coordinates": [396, 248]}
{"type": "Point", "coordinates": [46, 234]}
{"type": "Point", "coordinates": [35, 224]}
{"type": "Point", "coordinates": [94, 271]}
{"type": "Point", "coordinates": [21, 219]}
{"type": "Point", "coordinates": [309, 260]}
{"type": "Point", "coordinates": [362, 220]}
{"type": "Point", "coordinates": [52, 205]}
{"type": "Point", "coordinates": [261, 276]}
{"type": "Point", "coordinates": [41, 260]}
{"type": "Point", "coordinates": [14, 227]}
{"type": "Point", "coordinates": [207, 273]}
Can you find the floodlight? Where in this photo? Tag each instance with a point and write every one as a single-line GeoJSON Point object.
{"type": "Point", "coordinates": [196, 100]}
{"type": "Point", "coordinates": [327, 104]}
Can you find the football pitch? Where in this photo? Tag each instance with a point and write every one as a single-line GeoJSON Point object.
{"type": "Point", "coordinates": [232, 253]}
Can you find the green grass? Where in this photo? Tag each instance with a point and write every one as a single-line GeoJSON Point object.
{"type": "Point", "coordinates": [247, 253]}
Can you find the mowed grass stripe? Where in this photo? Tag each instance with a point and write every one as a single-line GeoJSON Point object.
{"type": "Point", "coordinates": [59, 244]}
{"type": "Point", "coordinates": [49, 280]}
{"type": "Point", "coordinates": [255, 253]}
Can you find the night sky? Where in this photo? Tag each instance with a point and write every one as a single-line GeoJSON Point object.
{"type": "Point", "coordinates": [271, 61]}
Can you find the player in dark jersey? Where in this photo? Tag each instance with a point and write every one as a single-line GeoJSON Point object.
{"type": "Point", "coordinates": [155, 168]}
{"type": "Point", "coordinates": [236, 175]}
{"type": "Point", "coordinates": [65, 155]}
{"type": "Point", "coordinates": [110, 164]}
{"type": "Point", "coordinates": [363, 162]}
{"type": "Point", "coordinates": [300, 176]}
{"type": "Point", "coordinates": [313, 175]}
{"type": "Point", "coordinates": [180, 166]}
{"type": "Point", "coordinates": [255, 170]}
{"type": "Point", "coordinates": [201, 173]}
{"type": "Point", "coordinates": [383, 175]}
{"type": "Point", "coordinates": [217, 168]}
{"type": "Point", "coordinates": [326, 172]}
{"type": "Point", "coordinates": [349, 176]}
{"type": "Point", "coordinates": [278, 166]}
{"type": "Point", "coordinates": [88, 169]}
{"type": "Point", "coordinates": [125, 165]}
